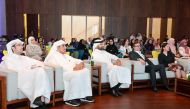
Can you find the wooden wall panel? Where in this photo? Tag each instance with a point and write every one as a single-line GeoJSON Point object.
{"type": "Point", "coordinates": [50, 26]}
{"type": "Point", "coordinates": [125, 16]}
{"type": "Point", "coordinates": [141, 8]}
{"type": "Point", "coordinates": [108, 23]}
{"type": "Point", "coordinates": [31, 6]}
{"type": "Point", "coordinates": [113, 7]}
{"type": "Point", "coordinates": [125, 27]}
{"type": "Point", "coordinates": [125, 9]}
{"type": "Point", "coordinates": [19, 24]}
{"type": "Point", "coordinates": [58, 29]}
{"type": "Point", "coordinates": [157, 8]}
{"type": "Point", "coordinates": [182, 20]}
{"type": "Point", "coordinates": [32, 24]}
{"type": "Point", "coordinates": [11, 24]}
{"type": "Point", "coordinates": [43, 25]}
{"type": "Point", "coordinates": [19, 6]}
{"type": "Point", "coordinates": [184, 8]}
{"type": "Point", "coordinates": [115, 25]}
{"type": "Point", "coordinates": [51, 29]}
{"type": "Point", "coordinates": [163, 30]}
{"type": "Point", "coordinates": [140, 24]}
{"type": "Point", "coordinates": [65, 7]}
{"type": "Point", "coordinates": [98, 7]}
{"type": "Point", "coordinates": [10, 6]}
{"type": "Point", "coordinates": [175, 28]}
{"type": "Point", "coordinates": [184, 26]}
{"type": "Point", "coordinates": [171, 8]}
{"type": "Point", "coordinates": [47, 6]}
{"type": "Point", "coordinates": [82, 7]}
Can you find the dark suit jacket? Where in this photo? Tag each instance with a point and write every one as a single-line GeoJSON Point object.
{"type": "Point", "coordinates": [135, 56]}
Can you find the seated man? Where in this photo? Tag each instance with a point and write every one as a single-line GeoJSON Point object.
{"type": "Point", "coordinates": [32, 78]}
{"type": "Point", "coordinates": [77, 79]}
{"type": "Point", "coordinates": [150, 67]}
{"type": "Point", "coordinates": [118, 76]}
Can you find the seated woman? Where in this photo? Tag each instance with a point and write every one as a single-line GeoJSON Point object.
{"type": "Point", "coordinates": [111, 47]}
{"type": "Point", "coordinates": [83, 50]}
{"type": "Point", "coordinates": [125, 48]}
{"type": "Point", "coordinates": [149, 46]}
{"type": "Point", "coordinates": [184, 49]}
{"type": "Point", "coordinates": [157, 44]}
{"type": "Point", "coordinates": [74, 43]}
{"type": "Point", "coordinates": [33, 50]}
{"type": "Point", "coordinates": [171, 44]}
{"type": "Point", "coordinates": [167, 58]}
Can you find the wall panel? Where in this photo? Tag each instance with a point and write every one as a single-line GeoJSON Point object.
{"type": "Point", "coordinates": [125, 16]}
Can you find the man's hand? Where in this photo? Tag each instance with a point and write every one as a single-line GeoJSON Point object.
{"type": "Point", "coordinates": [117, 62]}
{"type": "Point", "coordinates": [126, 55]}
{"type": "Point", "coordinates": [79, 66]}
{"type": "Point", "coordinates": [169, 65]}
{"type": "Point", "coordinates": [142, 61]}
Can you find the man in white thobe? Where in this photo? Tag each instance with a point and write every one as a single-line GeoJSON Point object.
{"type": "Point", "coordinates": [118, 76]}
{"type": "Point", "coordinates": [32, 78]}
{"type": "Point", "coordinates": [76, 78]}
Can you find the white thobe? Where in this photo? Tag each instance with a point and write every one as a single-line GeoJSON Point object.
{"type": "Point", "coordinates": [33, 81]}
{"type": "Point", "coordinates": [116, 74]}
{"type": "Point", "coordinates": [77, 83]}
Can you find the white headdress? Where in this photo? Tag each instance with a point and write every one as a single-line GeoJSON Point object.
{"type": "Point", "coordinates": [30, 40]}
{"type": "Point", "coordinates": [54, 48]}
{"type": "Point", "coordinates": [171, 41]}
{"type": "Point", "coordinates": [10, 44]}
{"type": "Point", "coordinates": [97, 42]}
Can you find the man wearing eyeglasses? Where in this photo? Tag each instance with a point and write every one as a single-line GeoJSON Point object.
{"type": "Point", "coordinates": [149, 66]}
{"type": "Point", "coordinates": [33, 80]}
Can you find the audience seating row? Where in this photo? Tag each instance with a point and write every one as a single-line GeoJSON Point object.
{"type": "Point", "coordinates": [10, 93]}
{"type": "Point", "coordinates": [13, 95]}
{"type": "Point", "coordinates": [138, 74]}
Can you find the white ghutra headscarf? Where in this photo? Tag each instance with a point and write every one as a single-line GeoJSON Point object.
{"type": "Point", "coordinates": [11, 44]}
{"type": "Point", "coordinates": [97, 42]}
{"type": "Point", "coordinates": [54, 49]}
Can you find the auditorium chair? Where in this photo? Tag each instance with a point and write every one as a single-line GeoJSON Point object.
{"type": "Point", "coordinates": [9, 92]}
{"type": "Point", "coordinates": [100, 79]}
{"type": "Point", "coordinates": [58, 83]}
{"type": "Point", "coordinates": [141, 79]}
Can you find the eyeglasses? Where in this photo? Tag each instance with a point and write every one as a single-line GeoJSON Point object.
{"type": "Point", "coordinates": [17, 45]}
{"type": "Point", "coordinates": [137, 46]}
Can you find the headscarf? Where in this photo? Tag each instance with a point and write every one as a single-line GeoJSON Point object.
{"type": "Point", "coordinates": [12, 43]}
{"type": "Point", "coordinates": [30, 40]}
{"type": "Point", "coordinates": [182, 44]}
{"type": "Point", "coordinates": [171, 42]}
{"type": "Point", "coordinates": [97, 42]}
{"type": "Point", "coordinates": [53, 49]}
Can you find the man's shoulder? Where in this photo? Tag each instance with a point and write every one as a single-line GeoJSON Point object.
{"type": "Point", "coordinates": [133, 55]}
{"type": "Point", "coordinates": [132, 52]}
